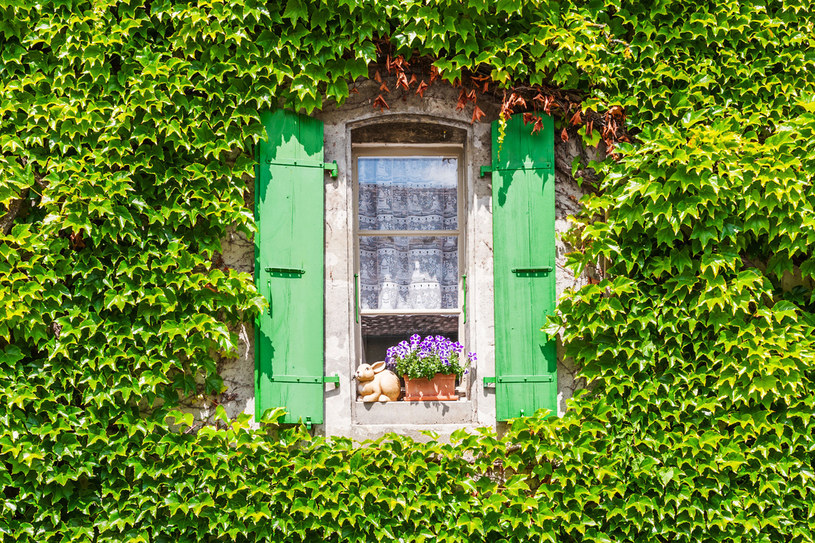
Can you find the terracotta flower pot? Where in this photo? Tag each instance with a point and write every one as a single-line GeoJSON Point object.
{"type": "Point", "coordinates": [441, 387]}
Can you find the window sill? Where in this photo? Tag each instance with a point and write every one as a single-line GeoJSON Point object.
{"type": "Point", "coordinates": [401, 412]}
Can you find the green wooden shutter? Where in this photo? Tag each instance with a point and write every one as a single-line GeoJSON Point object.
{"type": "Point", "coordinates": [289, 212]}
{"type": "Point", "coordinates": [523, 197]}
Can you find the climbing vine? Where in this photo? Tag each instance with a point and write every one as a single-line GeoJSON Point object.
{"type": "Point", "coordinates": [125, 131]}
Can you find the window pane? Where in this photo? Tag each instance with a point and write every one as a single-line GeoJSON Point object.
{"type": "Point", "coordinates": [408, 272]}
{"type": "Point", "coordinates": [408, 193]}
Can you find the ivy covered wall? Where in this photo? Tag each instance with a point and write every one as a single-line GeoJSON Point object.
{"type": "Point", "coordinates": [125, 130]}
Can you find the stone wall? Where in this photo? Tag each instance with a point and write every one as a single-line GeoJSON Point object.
{"type": "Point", "coordinates": [407, 117]}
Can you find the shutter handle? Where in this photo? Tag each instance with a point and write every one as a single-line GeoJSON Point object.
{"type": "Point", "coordinates": [269, 286]}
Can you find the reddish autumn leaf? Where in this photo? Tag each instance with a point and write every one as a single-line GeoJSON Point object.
{"type": "Point", "coordinates": [412, 80]}
{"type": "Point", "coordinates": [564, 135]}
{"type": "Point", "coordinates": [589, 127]}
{"type": "Point", "coordinates": [381, 103]}
{"type": "Point", "coordinates": [538, 124]}
{"type": "Point", "coordinates": [547, 105]}
{"type": "Point", "coordinates": [377, 77]}
{"type": "Point", "coordinates": [517, 100]}
{"type": "Point", "coordinates": [354, 90]}
{"type": "Point", "coordinates": [577, 118]}
{"type": "Point", "coordinates": [462, 100]}
{"type": "Point", "coordinates": [421, 88]}
{"type": "Point", "coordinates": [486, 87]}
{"type": "Point", "coordinates": [477, 114]}
{"type": "Point", "coordinates": [402, 81]}
{"type": "Point", "coordinates": [388, 64]}
{"type": "Point", "coordinates": [434, 73]}
{"type": "Point", "coordinates": [539, 100]}
{"type": "Point", "coordinates": [528, 117]}
{"type": "Point", "coordinates": [471, 95]}
{"type": "Point", "coordinates": [617, 111]}
{"type": "Point", "coordinates": [384, 87]}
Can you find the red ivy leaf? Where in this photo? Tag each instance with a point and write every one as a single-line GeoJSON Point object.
{"type": "Point", "coordinates": [381, 103]}
{"type": "Point", "coordinates": [564, 135]}
{"type": "Point", "coordinates": [577, 118]}
{"type": "Point", "coordinates": [402, 81]}
{"type": "Point", "coordinates": [377, 77]}
{"type": "Point", "coordinates": [539, 100]}
{"type": "Point", "coordinates": [528, 117]}
{"type": "Point", "coordinates": [538, 124]}
{"type": "Point", "coordinates": [462, 100]}
{"type": "Point", "coordinates": [412, 80]}
{"type": "Point", "coordinates": [384, 87]}
{"type": "Point", "coordinates": [421, 88]}
{"type": "Point", "coordinates": [434, 73]}
{"type": "Point", "coordinates": [477, 114]}
{"type": "Point", "coordinates": [547, 105]}
{"type": "Point", "coordinates": [517, 99]}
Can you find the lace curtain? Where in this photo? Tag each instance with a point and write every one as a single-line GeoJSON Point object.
{"type": "Point", "coordinates": [416, 271]}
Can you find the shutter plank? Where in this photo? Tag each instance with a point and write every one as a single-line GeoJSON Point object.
{"type": "Point", "coordinates": [289, 212]}
{"type": "Point", "coordinates": [524, 237]}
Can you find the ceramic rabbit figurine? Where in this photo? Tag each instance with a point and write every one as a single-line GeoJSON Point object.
{"type": "Point", "coordinates": [377, 384]}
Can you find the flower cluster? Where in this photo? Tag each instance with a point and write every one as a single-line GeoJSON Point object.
{"type": "Point", "coordinates": [426, 357]}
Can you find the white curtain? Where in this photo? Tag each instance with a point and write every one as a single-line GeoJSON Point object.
{"type": "Point", "coordinates": [408, 193]}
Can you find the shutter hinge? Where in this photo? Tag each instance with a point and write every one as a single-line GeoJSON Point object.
{"type": "Point", "coordinates": [306, 379]}
{"type": "Point", "coordinates": [542, 269]}
{"type": "Point", "coordinates": [332, 167]}
{"type": "Point", "coordinates": [490, 169]}
{"type": "Point", "coordinates": [509, 379]}
{"type": "Point", "coordinates": [291, 271]}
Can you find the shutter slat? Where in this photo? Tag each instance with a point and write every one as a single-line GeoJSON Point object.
{"type": "Point", "coordinates": [524, 268]}
{"type": "Point", "coordinates": [289, 268]}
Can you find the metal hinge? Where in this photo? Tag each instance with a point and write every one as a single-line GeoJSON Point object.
{"type": "Point", "coordinates": [295, 271]}
{"type": "Point", "coordinates": [542, 269]}
{"type": "Point", "coordinates": [490, 169]}
{"type": "Point", "coordinates": [491, 381]}
{"type": "Point", "coordinates": [306, 379]}
{"type": "Point", "coordinates": [332, 167]}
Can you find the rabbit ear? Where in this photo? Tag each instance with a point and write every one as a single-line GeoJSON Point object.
{"type": "Point", "coordinates": [378, 367]}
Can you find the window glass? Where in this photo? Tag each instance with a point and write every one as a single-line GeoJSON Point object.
{"type": "Point", "coordinates": [408, 243]}
{"type": "Point", "coordinates": [408, 193]}
{"type": "Point", "coordinates": [408, 272]}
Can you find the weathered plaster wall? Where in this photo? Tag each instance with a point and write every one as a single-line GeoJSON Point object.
{"type": "Point", "coordinates": [343, 415]}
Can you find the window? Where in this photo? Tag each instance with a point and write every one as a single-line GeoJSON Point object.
{"type": "Point", "coordinates": [352, 264]}
{"type": "Point", "coordinates": [409, 244]}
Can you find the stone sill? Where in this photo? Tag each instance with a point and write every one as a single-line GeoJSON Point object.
{"type": "Point", "coordinates": [410, 413]}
